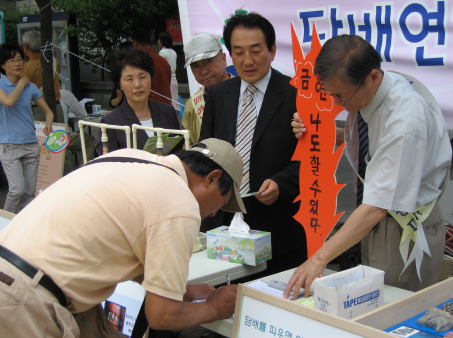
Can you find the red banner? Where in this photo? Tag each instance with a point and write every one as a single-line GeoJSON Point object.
{"type": "Point", "coordinates": [173, 26]}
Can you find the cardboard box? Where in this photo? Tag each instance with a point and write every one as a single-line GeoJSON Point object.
{"type": "Point", "coordinates": [253, 248]}
{"type": "Point", "coordinates": [446, 269]}
{"type": "Point", "coordinates": [350, 293]}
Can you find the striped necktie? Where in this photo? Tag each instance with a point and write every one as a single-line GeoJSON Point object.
{"type": "Point", "coordinates": [244, 135]}
{"type": "Point", "coordinates": [363, 150]}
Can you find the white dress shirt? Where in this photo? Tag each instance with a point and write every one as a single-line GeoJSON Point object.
{"type": "Point", "coordinates": [148, 123]}
{"type": "Point", "coordinates": [258, 95]}
{"type": "Point", "coordinates": [409, 149]}
{"type": "Point", "coordinates": [69, 101]}
{"type": "Point", "coordinates": [170, 55]}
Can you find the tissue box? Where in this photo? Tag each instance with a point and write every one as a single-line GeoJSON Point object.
{"type": "Point", "coordinates": [253, 248]}
{"type": "Point", "coordinates": [350, 293]}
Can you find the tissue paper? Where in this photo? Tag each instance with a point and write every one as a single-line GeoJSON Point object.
{"type": "Point", "coordinates": [238, 225]}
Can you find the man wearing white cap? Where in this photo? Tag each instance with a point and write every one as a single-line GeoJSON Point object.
{"type": "Point", "coordinates": [207, 62]}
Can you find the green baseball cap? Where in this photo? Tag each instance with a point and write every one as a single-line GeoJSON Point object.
{"type": "Point", "coordinates": [224, 154]}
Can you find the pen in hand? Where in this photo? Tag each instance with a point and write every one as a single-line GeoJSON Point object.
{"type": "Point", "coordinates": [228, 279]}
{"type": "Point", "coordinates": [251, 194]}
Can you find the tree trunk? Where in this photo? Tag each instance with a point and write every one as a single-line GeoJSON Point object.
{"type": "Point", "coordinates": [47, 67]}
{"type": "Point", "coordinates": [104, 60]}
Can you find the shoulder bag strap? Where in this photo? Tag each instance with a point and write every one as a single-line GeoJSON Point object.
{"type": "Point", "coordinates": [127, 160]}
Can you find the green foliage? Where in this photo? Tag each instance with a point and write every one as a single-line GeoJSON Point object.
{"type": "Point", "coordinates": [12, 18]}
{"type": "Point", "coordinates": [102, 25]}
{"type": "Point", "coordinates": [210, 252]}
{"type": "Point", "coordinates": [266, 249]}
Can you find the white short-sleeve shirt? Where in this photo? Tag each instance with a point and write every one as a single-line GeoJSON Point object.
{"type": "Point", "coordinates": [409, 149]}
{"type": "Point", "coordinates": [171, 57]}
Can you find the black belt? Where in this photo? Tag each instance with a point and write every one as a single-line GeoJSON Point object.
{"type": "Point", "coordinates": [31, 271]}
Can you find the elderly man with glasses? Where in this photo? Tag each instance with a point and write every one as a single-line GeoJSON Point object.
{"type": "Point", "coordinates": [399, 148]}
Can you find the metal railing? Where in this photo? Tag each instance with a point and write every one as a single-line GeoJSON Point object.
{"type": "Point", "coordinates": [127, 130]}
{"type": "Point", "coordinates": [104, 138]}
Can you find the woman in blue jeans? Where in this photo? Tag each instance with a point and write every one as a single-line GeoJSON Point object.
{"type": "Point", "coordinates": [19, 148]}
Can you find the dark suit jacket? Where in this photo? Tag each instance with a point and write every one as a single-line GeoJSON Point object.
{"type": "Point", "coordinates": [273, 146]}
{"type": "Point", "coordinates": [163, 115]}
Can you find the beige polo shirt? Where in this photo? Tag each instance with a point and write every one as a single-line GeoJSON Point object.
{"type": "Point", "coordinates": [107, 223]}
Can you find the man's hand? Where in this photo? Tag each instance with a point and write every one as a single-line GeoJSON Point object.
{"type": "Point", "coordinates": [356, 227]}
{"type": "Point", "coordinates": [200, 291]}
{"type": "Point", "coordinates": [269, 192]}
{"type": "Point", "coordinates": [224, 300]}
{"type": "Point", "coordinates": [298, 126]}
{"type": "Point", "coordinates": [23, 81]}
{"type": "Point", "coordinates": [304, 276]}
{"type": "Point", "coordinates": [119, 93]}
{"type": "Point", "coordinates": [47, 129]}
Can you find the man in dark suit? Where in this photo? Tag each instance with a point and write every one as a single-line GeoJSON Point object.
{"type": "Point", "coordinates": [251, 112]}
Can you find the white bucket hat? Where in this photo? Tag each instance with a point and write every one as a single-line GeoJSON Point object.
{"type": "Point", "coordinates": [200, 47]}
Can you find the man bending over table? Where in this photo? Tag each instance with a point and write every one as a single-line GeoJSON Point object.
{"type": "Point", "coordinates": [128, 213]}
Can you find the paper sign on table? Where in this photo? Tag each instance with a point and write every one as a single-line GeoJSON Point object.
{"type": "Point", "coordinates": [123, 306]}
{"type": "Point", "coordinates": [51, 165]}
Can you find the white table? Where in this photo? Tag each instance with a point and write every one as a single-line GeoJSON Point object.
{"type": "Point", "coordinates": [225, 327]}
{"type": "Point", "coordinates": [90, 118]}
{"type": "Point", "coordinates": [5, 218]}
{"type": "Point", "coordinates": [213, 272]}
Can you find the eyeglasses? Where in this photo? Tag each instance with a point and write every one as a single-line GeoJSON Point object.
{"type": "Point", "coordinates": [337, 96]}
{"type": "Point", "coordinates": [11, 62]}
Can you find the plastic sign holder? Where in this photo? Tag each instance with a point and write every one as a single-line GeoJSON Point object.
{"type": "Point", "coordinates": [408, 307]}
{"type": "Point", "coordinates": [262, 315]}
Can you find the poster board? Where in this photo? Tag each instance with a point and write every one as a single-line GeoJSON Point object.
{"type": "Point", "coordinates": [259, 315]}
{"type": "Point", "coordinates": [316, 150]}
{"type": "Point", "coordinates": [51, 165]}
{"type": "Point", "coordinates": [408, 307]}
{"type": "Point", "coordinates": [411, 36]}
{"type": "Point", "coordinates": [123, 306]}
